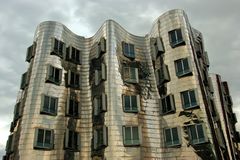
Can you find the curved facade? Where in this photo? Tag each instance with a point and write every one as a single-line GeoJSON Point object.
{"type": "Point", "coordinates": [115, 95]}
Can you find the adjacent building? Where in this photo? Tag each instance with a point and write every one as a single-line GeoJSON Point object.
{"type": "Point", "coordinates": [116, 95]}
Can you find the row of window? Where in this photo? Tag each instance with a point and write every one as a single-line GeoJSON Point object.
{"type": "Point", "coordinates": [175, 39]}
{"type": "Point", "coordinates": [44, 138]}
{"type": "Point", "coordinates": [49, 106]}
{"type": "Point", "coordinates": [54, 75]}
{"type": "Point", "coordinates": [188, 97]}
{"type": "Point", "coordinates": [197, 135]}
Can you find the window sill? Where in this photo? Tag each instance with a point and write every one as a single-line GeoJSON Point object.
{"type": "Point", "coordinates": [189, 73]}
{"type": "Point", "coordinates": [43, 148]}
{"type": "Point", "coordinates": [48, 113]}
{"type": "Point", "coordinates": [56, 53]}
{"type": "Point", "coordinates": [53, 82]}
{"type": "Point", "coordinates": [192, 107]}
{"type": "Point", "coordinates": [176, 44]}
{"type": "Point", "coordinates": [132, 145]}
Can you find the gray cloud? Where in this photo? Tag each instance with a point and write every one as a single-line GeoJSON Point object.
{"type": "Point", "coordinates": [218, 20]}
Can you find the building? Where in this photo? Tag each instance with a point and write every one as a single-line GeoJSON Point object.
{"type": "Point", "coordinates": [118, 96]}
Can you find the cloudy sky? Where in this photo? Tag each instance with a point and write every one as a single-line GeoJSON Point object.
{"type": "Point", "coordinates": [218, 20]}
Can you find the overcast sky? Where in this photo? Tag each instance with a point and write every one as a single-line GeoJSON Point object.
{"type": "Point", "coordinates": [218, 20]}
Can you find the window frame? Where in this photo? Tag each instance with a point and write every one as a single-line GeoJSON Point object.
{"type": "Point", "coordinates": [74, 147]}
{"type": "Point", "coordinates": [130, 72]}
{"type": "Point", "coordinates": [51, 144]}
{"type": "Point", "coordinates": [184, 72]}
{"type": "Point", "coordinates": [128, 50]}
{"type": "Point", "coordinates": [138, 104]}
{"type": "Point", "coordinates": [172, 103]}
{"type": "Point", "coordinates": [205, 138]}
{"type": "Point", "coordinates": [50, 99]}
{"type": "Point", "coordinates": [179, 37]}
{"type": "Point", "coordinates": [162, 75]}
{"type": "Point", "coordinates": [171, 132]}
{"type": "Point", "coordinates": [50, 78]}
{"type": "Point", "coordinates": [192, 105]}
{"type": "Point", "coordinates": [24, 80]}
{"type": "Point", "coordinates": [100, 75]}
{"type": "Point", "coordinates": [131, 135]}
{"type": "Point", "coordinates": [75, 107]}
{"type": "Point", "coordinates": [103, 142]}
{"type": "Point", "coordinates": [31, 51]}
{"type": "Point", "coordinates": [71, 55]}
{"type": "Point", "coordinates": [56, 49]}
{"type": "Point", "coordinates": [10, 143]}
{"type": "Point", "coordinates": [99, 100]}
{"type": "Point", "coordinates": [76, 84]}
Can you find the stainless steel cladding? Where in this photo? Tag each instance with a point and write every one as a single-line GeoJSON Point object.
{"type": "Point", "coordinates": [115, 95]}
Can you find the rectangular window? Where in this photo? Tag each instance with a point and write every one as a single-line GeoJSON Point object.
{"type": "Point", "coordinates": [24, 80]}
{"type": "Point", "coordinates": [73, 80]}
{"type": "Point", "coordinates": [10, 143]}
{"type": "Point", "coordinates": [72, 140]}
{"type": "Point", "coordinates": [58, 47]}
{"type": "Point", "coordinates": [49, 105]}
{"type": "Point", "coordinates": [162, 75]}
{"type": "Point", "coordinates": [100, 75]}
{"type": "Point", "coordinates": [189, 99]}
{"type": "Point", "coordinates": [100, 137]}
{"type": "Point", "coordinates": [73, 107]}
{"type": "Point", "coordinates": [101, 46]}
{"type": "Point", "coordinates": [31, 52]}
{"type": "Point", "coordinates": [17, 111]}
{"type": "Point", "coordinates": [44, 139]}
{"type": "Point", "coordinates": [176, 38]}
{"type": "Point", "coordinates": [131, 135]}
{"type": "Point", "coordinates": [157, 47]}
{"type": "Point", "coordinates": [100, 104]}
{"type": "Point", "coordinates": [128, 50]}
{"type": "Point", "coordinates": [73, 55]}
{"type": "Point", "coordinates": [168, 105]}
{"type": "Point", "coordinates": [183, 67]}
{"type": "Point", "coordinates": [172, 136]}
{"type": "Point", "coordinates": [130, 74]}
{"type": "Point", "coordinates": [54, 75]}
{"type": "Point", "coordinates": [197, 134]}
{"type": "Point", "coordinates": [131, 103]}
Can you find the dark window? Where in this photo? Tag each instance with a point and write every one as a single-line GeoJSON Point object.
{"type": "Point", "coordinates": [72, 140]}
{"type": "Point", "coordinates": [73, 107]}
{"type": "Point", "coordinates": [73, 55]}
{"type": "Point", "coordinates": [73, 80]}
{"type": "Point", "coordinates": [58, 47]}
{"type": "Point", "coordinates": [49, 105]}
{"type": "Point", "coordinates": [157, 47]}
{"type": "Point", "coordinates": [100, 137]}
{"type": "Point", "coordinates": [182, 67]}
{"type": "Point", "coordinates": [43, 139]}
{"type": "Point", "coordinates": [10, 143]}
{"type": "Point", "coordinates": [168, 104]}
{"type": "Point", "coordinates": [31, 52]}
{"type": "Point", "coordinates": [162, 75]}
{"type": "Point", "coordinates": [131, 135]}
{"type": "Point", "coordinates": [17, 111]}
{"type": "Point", "coordinates": [130, 74]}
{"type": "Point", "coordinates": [189, 99]}
{"type": "Point", "coordinates": [100, 104]}
{"type": "Point", "coordinates": [172, 136]}
{"type": "Point", "coordinates": [197, 134]}
{"type": "Point", "coordinates": [131, 103]}
{"type": "Point", "coordinates": [54, 75]}
{"type": "Point", "coordinates": [101, 46]}
{"type": "Point", "coordinates": [176, 38]}
{"type": "Point", "coordinates": [24, 80]}
{"type": "Point", "coordinates": [128, 50]}
{"type": "Point", "coordinates": [100, 75]}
